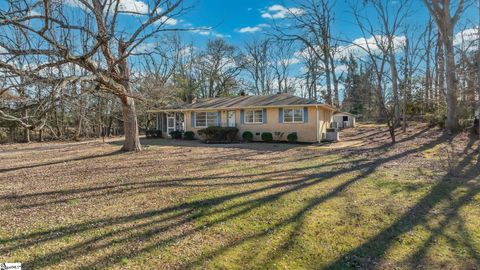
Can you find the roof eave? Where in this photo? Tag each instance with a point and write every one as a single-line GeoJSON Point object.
{"type": "Point", "coordinates": [325, 106]}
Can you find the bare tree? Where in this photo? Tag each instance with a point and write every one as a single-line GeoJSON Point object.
{"type": "Point", "coordinates": [56, 33]}
{"type": "Point", "coordinates": [257, 64]}
{"type": "Point", "coordinates": [312, 27]}
{"type": "Point", "coordinates": [381, 42]}
{"type": "Point", "coordinates": [445, 17]}
{"type": "Point", "coordinates": [282, 59]}
{"type": "Point", "coordinates": [219, 67]}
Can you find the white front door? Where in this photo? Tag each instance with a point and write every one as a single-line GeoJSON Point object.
{"type": "Point", "coordinates": [231, 118]}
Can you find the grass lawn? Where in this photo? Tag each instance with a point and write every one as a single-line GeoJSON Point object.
{"type": "Point", "coordinates": [359, 203]}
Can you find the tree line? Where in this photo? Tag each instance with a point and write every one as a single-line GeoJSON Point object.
{"type": "Point", "coordinates": [82, 75]}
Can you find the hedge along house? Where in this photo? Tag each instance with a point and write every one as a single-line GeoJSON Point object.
{"type": "Point", "coordinates": [280, 114]}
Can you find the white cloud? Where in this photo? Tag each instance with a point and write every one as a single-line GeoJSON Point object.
{"type": "Point", "coordinates": [360, 46]}
{"type": "Point", "coordinates": [167, 21]}
{"type": "Point", "coordinates": [468, 38]}
{"type": "Point", "coordinates": [341, 68]}
{"type": "Point", "coordinates": [253, 29]}
{"type": "Point", "coordinates": [135, 6]}
{"type": "Point", "coordinates": [207, 31]}
{"type": "Point", "coordinates": [291, 61]}
{"type": "Point", "coordinates": [281, 12]}
{"type": "Point", "coordinates": [144, 48]}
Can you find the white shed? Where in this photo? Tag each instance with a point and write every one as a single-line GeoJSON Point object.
{"type": "Point", "coordinates": [344, 119]}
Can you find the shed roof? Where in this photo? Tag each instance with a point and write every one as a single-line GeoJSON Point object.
{"type": "Point", "coordinates": [347, 113]}
{"type": "Point", "coordinates": [239, 102]}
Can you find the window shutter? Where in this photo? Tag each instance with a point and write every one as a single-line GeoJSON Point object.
{"type": "Point", "coordinates": [305, 114]}
{"type": "Point", "coordinates": [280, 115]}
{"type": "Point", "coordinates": [219, 118]}
{"type": "Point", "coordinates": [242, 116]}
{"type": "Point", "coordinates": [264, 116]}
{"type": "Point", "coordinates": [192, 119]}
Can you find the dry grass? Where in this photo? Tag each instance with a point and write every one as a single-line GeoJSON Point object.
{"type": "Point", "coordinates": [361, 203]}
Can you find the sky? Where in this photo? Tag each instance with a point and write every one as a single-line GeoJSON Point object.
{"type": "Point", "coordinates": [241, 20]}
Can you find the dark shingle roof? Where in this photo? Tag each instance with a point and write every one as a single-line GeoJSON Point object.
{"type": "Point", "coordinates": [237, 102]}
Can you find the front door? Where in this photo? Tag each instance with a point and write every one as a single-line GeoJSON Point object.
{"type": "Point", "coordinates": [171, 123]}
{"type": "Point", "coordinates": [231, 118]}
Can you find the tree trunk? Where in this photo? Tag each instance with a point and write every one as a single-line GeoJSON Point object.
{"type": "Point", "coordinates": [11, 137]}
{"type": "Point", "coordinates": [335, 83]}
{"type": "Point", "coordinates": [26, 131]}
{"type": "Point", "coordinates": [452, 121]}
{"type": "Point", "coordinates": [130, 121]}
{"type": "Point", "coordinates": [391, 130]}
{"type": "Point", "coordinates": [130, 125]}
{"type": "Point", "coordinates": [40, 135]}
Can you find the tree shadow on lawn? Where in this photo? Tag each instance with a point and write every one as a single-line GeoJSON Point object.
{"type": "Point", "coordinates": [375, 249]}
{"type": "Point", "coordinates": [213, 180]}
{"type": "Point", "coordinates": [257, 146]}
{"type": "Point", "coordinates": [60, 161]}
{"type": "Point", "coordinates": [145, 225]}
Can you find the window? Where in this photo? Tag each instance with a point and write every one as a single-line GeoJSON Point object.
{"type": "Point", "coordinates": [254, 116]}
{"type": "Point", "coordinates": [293, 115]}
{"type": "Point", "coordinates": [345, 118]}
{"type": "Point", "coordinates": [206, 119]}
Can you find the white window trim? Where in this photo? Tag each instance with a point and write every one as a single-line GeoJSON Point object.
{"type": "Point", "coordinates": [293, 116]}
{"type": "Point", "coordinates": [206, 117]}
{"type": "Point", "coordinates": [245, 116]}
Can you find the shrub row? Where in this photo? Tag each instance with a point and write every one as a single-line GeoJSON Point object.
{"type": "Point", "coordinates": [187, 135]}
{"type": "Point", "coordinates": [153, 133]}
{"type": "Point", "coordinates": [218, 134]}
{"type": "Point", "coordinates": [268, 136]}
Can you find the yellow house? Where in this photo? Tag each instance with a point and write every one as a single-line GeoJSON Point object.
{"type": "Point", "coordinates": [280, 114]}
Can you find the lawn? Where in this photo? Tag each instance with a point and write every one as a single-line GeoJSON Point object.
{"type": "Point", "coordinates": [359, 203]}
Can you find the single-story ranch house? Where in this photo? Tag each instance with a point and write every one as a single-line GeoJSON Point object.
{"type": "Point", "coordinates": [279, 114]}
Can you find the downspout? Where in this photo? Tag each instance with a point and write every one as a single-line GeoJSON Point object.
{"type": "Point", "coordinates": [316, 123]}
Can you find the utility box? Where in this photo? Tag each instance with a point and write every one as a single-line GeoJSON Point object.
{"type": "Point", "coordinates": [332, 135]}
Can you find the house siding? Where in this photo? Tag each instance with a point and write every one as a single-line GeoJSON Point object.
{"type": "Point", "coordinates": [306, 131]}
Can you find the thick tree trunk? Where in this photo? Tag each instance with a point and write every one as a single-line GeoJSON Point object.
{"type": "Point", "coordinates": [130, 121]}
{"type": "Point", "coordinates": [451, 79]}
{"type": "Point", "coordinates": [130, 124]}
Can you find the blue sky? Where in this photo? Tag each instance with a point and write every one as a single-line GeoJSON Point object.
{"type": "Point", "coordinates": [228, 17]}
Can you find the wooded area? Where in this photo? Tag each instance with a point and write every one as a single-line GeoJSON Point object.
{"type": "Point", "coordinates": [70, 76]}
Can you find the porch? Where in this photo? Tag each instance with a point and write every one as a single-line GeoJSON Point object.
{"type": "Point", "coordinates": [170, 121]}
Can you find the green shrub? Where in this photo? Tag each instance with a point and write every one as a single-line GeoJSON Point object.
{"type": "Point", "coordinates": [247, 136]}
{"type": "Point", "coordinates": [436, 120]}
{"type": "Point", "coordinates": [176, 134]}
{"type": "Point", "coordinates": [153, 133]}
{"type": "Point", "coordinates": [189, 135]}
{"type": "Point", "coordinates": [267, 137]}
{"type": "Point", "coordinates": [218, 134]}
{"type": "Point", "coordinates": [292, 137]}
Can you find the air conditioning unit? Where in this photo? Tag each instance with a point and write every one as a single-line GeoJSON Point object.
{"type": "Point", "coordinates": [332, 135]}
